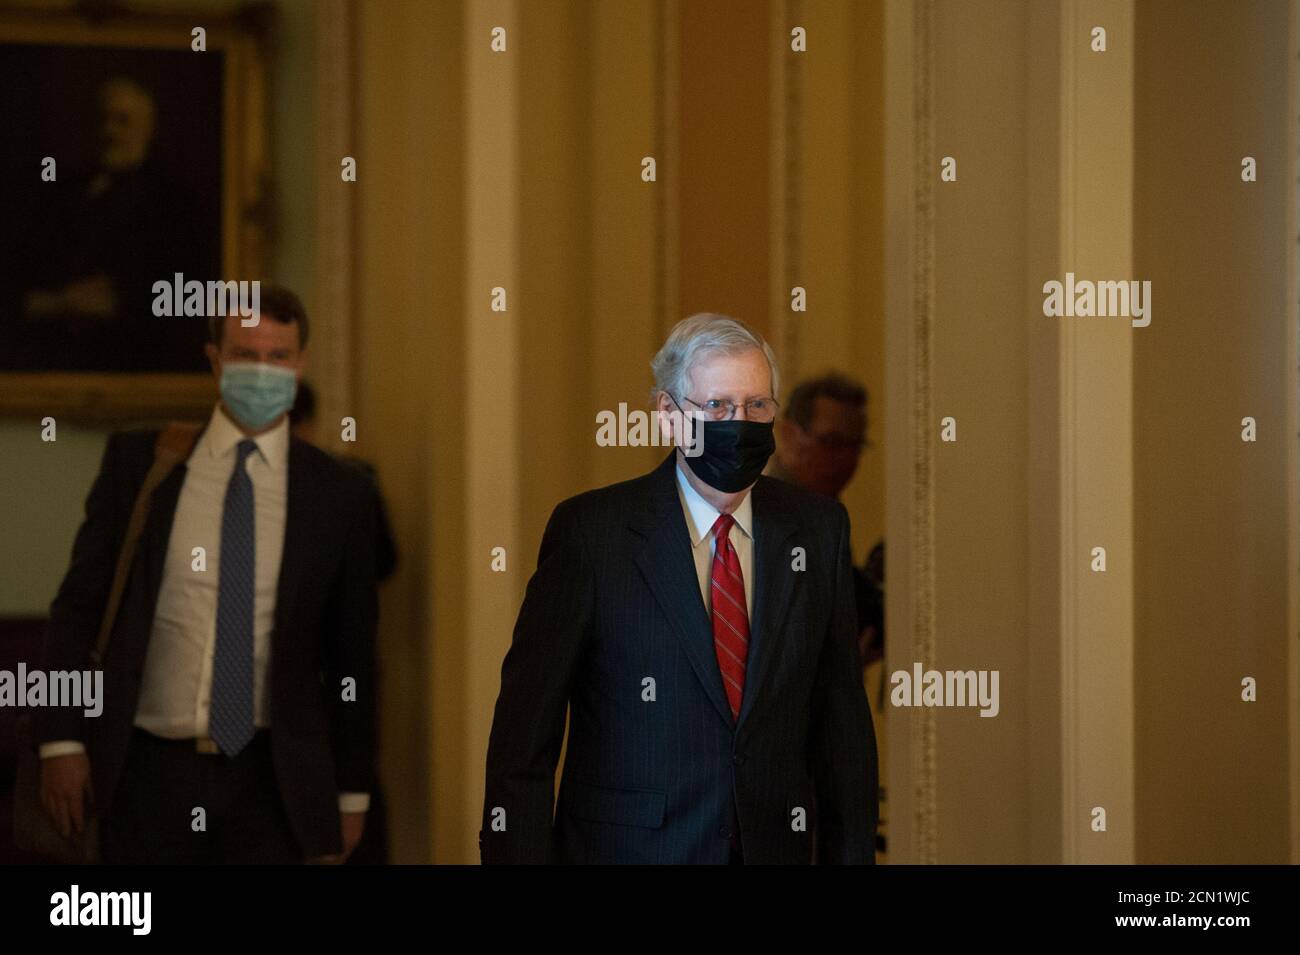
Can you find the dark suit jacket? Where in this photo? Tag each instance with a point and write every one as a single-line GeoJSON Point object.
{"type": "Point", "coordinates": [615, 602]}
{"type": "Point", "coordinates": [324, 628]}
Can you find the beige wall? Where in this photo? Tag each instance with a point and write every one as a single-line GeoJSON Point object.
{"type": "Point", "coordinates": [833, 236]}
{"type": "Point", "coordinates": [410, 344]}
{"type": "Point", "coordinates": [1213, 569]}
{"type": "Point", "coordinates": [723, 178]}
{"type": "Point", "coordinates": [1119, 690]}
{"type": "Point", "coordinates": [980, 378]}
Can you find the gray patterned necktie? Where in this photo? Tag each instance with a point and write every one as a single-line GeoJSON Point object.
{"type": "Point", "coordinates": [230, 721]}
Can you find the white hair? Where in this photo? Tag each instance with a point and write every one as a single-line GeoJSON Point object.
{"type": "Point", "coordinates": [693, 338]}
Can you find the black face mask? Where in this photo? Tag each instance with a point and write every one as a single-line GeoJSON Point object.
{"type": "Point", "coordinates": [733, 454]}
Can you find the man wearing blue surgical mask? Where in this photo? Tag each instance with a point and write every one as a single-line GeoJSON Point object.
{"type": "Point", "coordinates": [240, 669]}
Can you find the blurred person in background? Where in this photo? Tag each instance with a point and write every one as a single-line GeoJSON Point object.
{"type": "Point", "coordinates": [820, 440]}
{"type": "Point", "coordinates": [283, 766]}
{"type": "Point", "coordinates": [822, 435]}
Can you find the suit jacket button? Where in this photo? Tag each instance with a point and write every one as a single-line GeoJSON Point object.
{"type": "Point", "coordinates": [738, 759]}
{"type": "Point", "coordinates": [724, 832]}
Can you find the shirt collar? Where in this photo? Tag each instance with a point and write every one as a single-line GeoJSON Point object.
{"type": "Point", "coordinates": [701, 515]}
{"type": "Point", "coordinates": [223, 434]}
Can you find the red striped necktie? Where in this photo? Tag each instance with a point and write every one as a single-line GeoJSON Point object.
{"type": "Point", "coordinates": [730, 618]}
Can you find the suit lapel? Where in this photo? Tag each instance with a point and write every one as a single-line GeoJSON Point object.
{"type": "Point", "coordinates": [666, 561]}
{"type": "Point", "coordinates": [154, 538]}
{"type": "Point", "coordinates": [297, 524]}
{"type": "Point", "coordinates": [157, 532]}
{"type": "Point", "coordinates": [774, 527]}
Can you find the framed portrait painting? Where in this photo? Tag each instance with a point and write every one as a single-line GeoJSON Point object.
{"type": "Point", "coordinates": [139, 157]}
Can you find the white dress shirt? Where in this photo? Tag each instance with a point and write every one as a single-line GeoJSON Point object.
{"type": "Point", "coordinates": [700, 517]}
{"type": "Point", "coordinates": [176, 687]}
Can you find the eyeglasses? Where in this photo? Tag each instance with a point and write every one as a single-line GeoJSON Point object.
{"type": "Point", "coordinates": [761, 410]}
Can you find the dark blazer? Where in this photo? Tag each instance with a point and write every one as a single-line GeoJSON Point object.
{"type": "Point", "coordinates": [325, 615]}
{"type": "Point", "coordinates": [615, 602]}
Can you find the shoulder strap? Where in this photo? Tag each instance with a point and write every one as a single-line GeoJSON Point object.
{"type": "Point", "coordinates": [175, 441]}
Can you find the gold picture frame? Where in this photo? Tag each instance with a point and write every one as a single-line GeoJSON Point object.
{"type": "Point", "coordinates": [239, 36]}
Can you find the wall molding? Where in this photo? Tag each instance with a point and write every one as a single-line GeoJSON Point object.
{"type": "Point", "coordinates": [911, 784]}
{"type": "Point", "coordinates": [924, 737]}
{"type": "Point", "coordinates": [336, 81]}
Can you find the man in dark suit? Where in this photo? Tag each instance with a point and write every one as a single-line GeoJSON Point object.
{"type": "Point", "coordinates": [698, 623]}
{"type": "Point", "coordinates": [822, 434]}
{"type": "Point", "coordinates": [239, 676]}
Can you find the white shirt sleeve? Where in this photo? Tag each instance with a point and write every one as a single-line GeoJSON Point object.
{"type": "Point", "coordinates": [354, 802]}
{"type": "Point", "coordinates": [63, 747]}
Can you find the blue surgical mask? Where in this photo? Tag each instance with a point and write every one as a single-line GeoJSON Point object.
{"type": "Point", "coordinates": [257, 393]}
